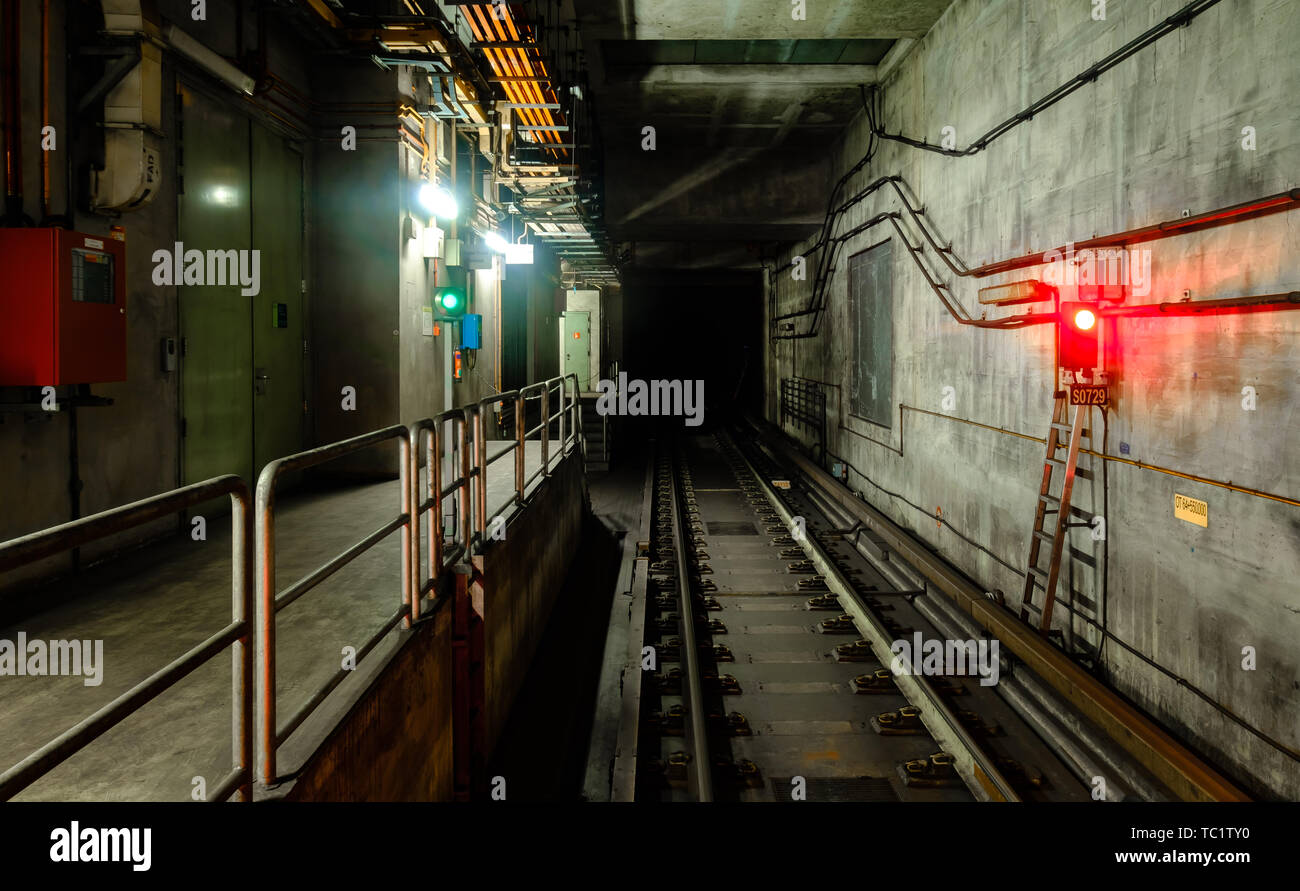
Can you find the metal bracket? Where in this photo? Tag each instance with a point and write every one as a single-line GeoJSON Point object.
{"type": "Point", "coordinates": [127, 57]}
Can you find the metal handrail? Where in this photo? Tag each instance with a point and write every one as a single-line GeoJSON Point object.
{"type": "Point", "coordinates": [543, 428]}
{"type": "Point", "coordinates": [474, 417]}
{"type": "Point", "coordinates": [429, 432]}
{"type": "Point", "coordinates": [253, 625]}
{"type": "Point", "coordinates": [474, 420]}
{"type": "Point", "coordinates": [575, 411]}
{"type": "Point", "coordinates": [239, 632]}
{"type": "Point", "coordinates": [269, 603]}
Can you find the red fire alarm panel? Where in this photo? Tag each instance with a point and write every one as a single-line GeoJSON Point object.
{"type": "Point", "coordinates": [62, 308]}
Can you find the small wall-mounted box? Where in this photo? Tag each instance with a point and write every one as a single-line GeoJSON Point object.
{"type": "Point", "coordinates": [471, 332]}
{"type": "Point", "coordinates": [63, 308]}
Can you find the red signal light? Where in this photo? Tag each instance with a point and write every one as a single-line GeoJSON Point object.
{"type": "Point", "coordinates": [1078, 332]}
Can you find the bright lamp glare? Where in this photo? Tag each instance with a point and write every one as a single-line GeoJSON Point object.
{"type": "Point", "coordinates": [450, 300]}
{"type": "Point", "coordinates": [1084, 319]}
{"type": "Point", "coordinates": [496, 242]}
{"type": "Point", "coordinates": [439, 202]}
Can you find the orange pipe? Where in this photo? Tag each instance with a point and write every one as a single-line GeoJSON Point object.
{"type": "Point", "coordinates": [45, 106]}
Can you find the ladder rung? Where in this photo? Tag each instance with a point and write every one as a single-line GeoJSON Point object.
{"type": "Point", "coordinates": [1049, 499]}
{"type": "Point", "coordinates": [1057, 461]}
{"type": "Point", "coordinates": [1036, 574]}
{"type": "Point", "coordinates": [1059, 426]}
{"type": "Point", "coordinates": [1043, 535]}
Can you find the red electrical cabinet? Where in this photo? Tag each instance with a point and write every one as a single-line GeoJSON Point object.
{"type": "Point", "coordinates": [62, 308]}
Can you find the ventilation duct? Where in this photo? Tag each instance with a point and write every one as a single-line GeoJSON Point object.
{"type": "Point", "coordinates": [132, 116]}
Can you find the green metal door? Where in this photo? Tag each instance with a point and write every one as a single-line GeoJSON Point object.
{"type": "Point", "coordinates": [577, 346]}
{"type": "Point", "coordinates": [217, 343]}
{"type": "Point", "coordinates": [277, 309]}
{"type": "Point", "coordinates": [242, 378]}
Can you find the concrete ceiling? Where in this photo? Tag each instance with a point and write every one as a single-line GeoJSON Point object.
{"type": "Point", "coordinates": [751, 19]}
{"type": "Point", "coordinates": [745, 102]}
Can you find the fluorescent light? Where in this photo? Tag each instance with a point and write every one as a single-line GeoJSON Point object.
{"type": "Point", "coordinates": [439, 202]}
{"type": "Point", "coordinates": [214, 64]}
{"type": "Point", "coordinates": [496, 242]}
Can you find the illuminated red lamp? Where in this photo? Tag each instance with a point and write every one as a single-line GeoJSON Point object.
{"type": "Point", "coordinates": [1077, 336]}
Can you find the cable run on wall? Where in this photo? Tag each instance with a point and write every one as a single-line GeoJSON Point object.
{"type": "Point", "coordinates": [828, 244]}
{"type": "Point", "coordinates": [1106, 633]}
{"type": "Point", "coordinates": [1183, 17]}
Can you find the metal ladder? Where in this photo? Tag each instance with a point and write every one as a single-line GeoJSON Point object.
{"type": "Point", "coordinates": [1049, 504]}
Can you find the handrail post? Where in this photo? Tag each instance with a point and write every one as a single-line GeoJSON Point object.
{"type": "Point", "coordinates": [564, 387]}
{"type": "Point", "coordinates": [480, 457]}
{"type": "Point", "coordinates": [435, 440]}
{"type": "Point", "coordinates": [406, 480]}
{"type": "Point", "coordinates": [575, 419]}
{"type": "Point", "coordinates": [521, 430]}
{"type": "Point", "coordinates": [266, 620]}
{"type": "Point", "coordinates": [242, 605]}
{"type": "Point", "coordinates": [463, 493]}
{"type": "Point", "coordinates": [546, 430]}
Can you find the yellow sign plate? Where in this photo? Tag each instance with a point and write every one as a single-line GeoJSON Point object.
{"type": "Point", "coordinates": [1191, 510]}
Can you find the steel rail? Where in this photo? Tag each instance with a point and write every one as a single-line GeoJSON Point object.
{"type": "Point", "coordinates": [976, 766]}
{"type": "Point", "coordinates": [701, 767]}
{"type": "Point", "coordinates": [1184, 772]}
{"type": "Point", "coordinates": [627, 745]}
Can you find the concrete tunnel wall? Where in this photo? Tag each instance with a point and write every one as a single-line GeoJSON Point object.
{"type": "Point", "coordinates": [395, 742]}
{"type": "Point", "coordinates": [523, 575]}
{"type": "Point", "coordinates": [364, 285]}
{"type": "Point", "coordinates": [1159, 134]}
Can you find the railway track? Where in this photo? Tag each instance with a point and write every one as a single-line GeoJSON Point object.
{"type": "Point", "coordinates": [774, 665]}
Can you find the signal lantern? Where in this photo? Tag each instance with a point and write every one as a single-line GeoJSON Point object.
{"type": "Point", "coordinates": [1078, 333]}
{"type": "Point", "coordinates": [450, 302]}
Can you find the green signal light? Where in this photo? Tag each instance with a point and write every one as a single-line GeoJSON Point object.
{"type": "Point", "coordinates": [452, 301]}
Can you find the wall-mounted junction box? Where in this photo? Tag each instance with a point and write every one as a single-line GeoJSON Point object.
{"type": "Point", "coordinates": [471, 332]}
{"type": "Point", "coordinates": [62, 308]}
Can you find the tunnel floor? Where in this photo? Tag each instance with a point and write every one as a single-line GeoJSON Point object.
{"type": "Point", "coordinates": [154, 604]}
